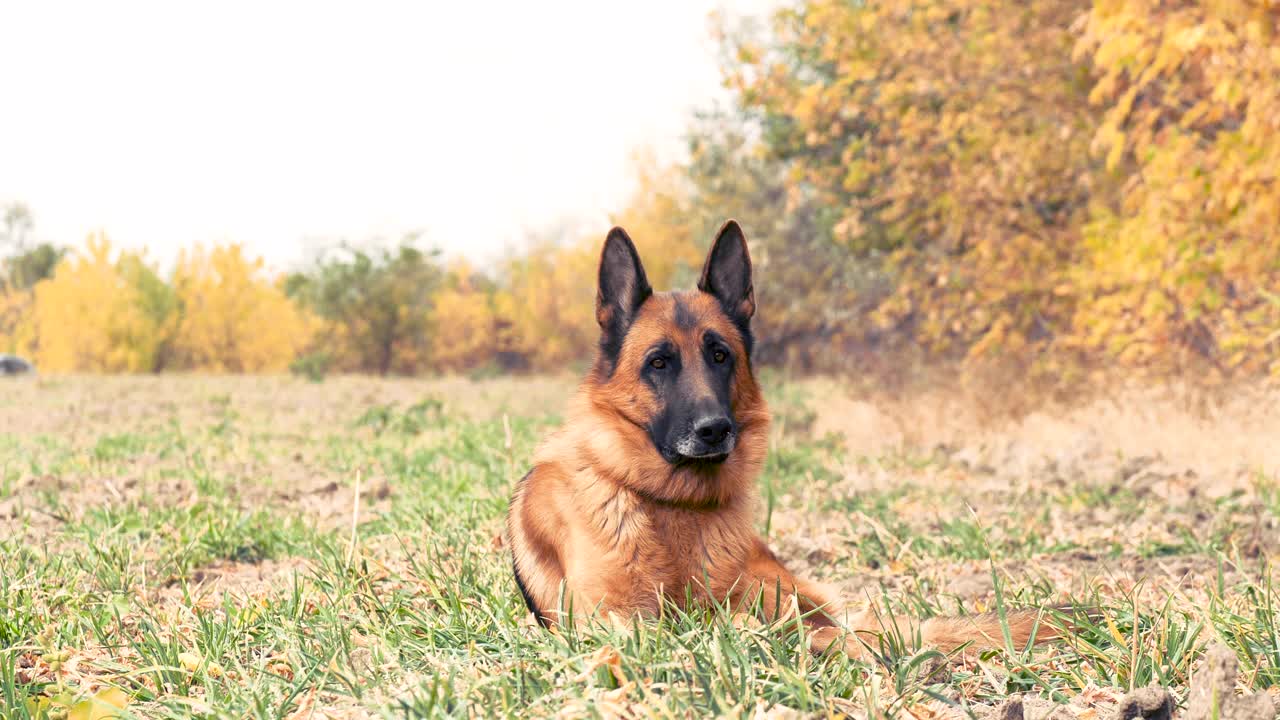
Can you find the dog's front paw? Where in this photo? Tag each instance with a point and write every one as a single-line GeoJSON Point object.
{"type": "Point", "coordinates": [834, 639]}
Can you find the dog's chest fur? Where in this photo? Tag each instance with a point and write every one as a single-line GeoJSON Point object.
{"type": "Point", "coordinates": [647, 547]}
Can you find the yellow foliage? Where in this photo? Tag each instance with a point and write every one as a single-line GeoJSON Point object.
{"type": "Point", "coordinates": [234, 317]}
{"type": "Point", "coordinates": [15, 308]}
{"type": "Point", "coordinates": [1181, 262]}
{"type": "Point", "coordinates": [93, 314]}
{"type": "Point", "coordinates": [658, 219]}
{"type": "Point", "coordinates": [945, 135]}
{"type": "Point", "coordinates": [463, 324]}
{"type": "Point", "coordinates": [546, 306]}
{"type": "Point", "coordinates": [1061, 180]}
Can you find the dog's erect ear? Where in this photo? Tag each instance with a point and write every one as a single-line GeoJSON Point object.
{"type": "Point", "coordinates": [623, 288]}
{"type": "Point", "coordinates": [727, 273]}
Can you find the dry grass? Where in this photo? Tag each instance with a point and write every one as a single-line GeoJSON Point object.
{"type": "Point", "coordinates": [1218, 434]}
{"type": "Point", "coordinates": [189, 540]}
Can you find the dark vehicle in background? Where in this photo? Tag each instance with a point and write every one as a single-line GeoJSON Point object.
{"type": "Point", "coordinates": [14, 365]}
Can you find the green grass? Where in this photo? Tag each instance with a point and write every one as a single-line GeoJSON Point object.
{"type": "Point", "coordinates": [203, 561]}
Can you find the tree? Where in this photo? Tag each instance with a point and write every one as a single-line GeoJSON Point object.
{"type": "Point", "coordinates": [101, 311]}
{"type": "Point", "coordinates": [1183, 262]}
{"type": "Point", "coordinates": [377, 305]}
{"type": "Point", "coordinates": [17, 225]}
{"type": "Point", "coordinates": [463, 322]}
{"type": "Point", "coordinates": [545, 306]}
{"type": "Point", "coordinates": [234, 318]}
{"type": "Point", "coordinates": [1060, 183]}
{"type": "Point", "coordinates": [818, 293]}
{"type": "Point", "coordinates": [945, 138]}
{"type": "Point", "coordinates": [20, 270]}
{"type": "Point", "coordinates": [26, 268]}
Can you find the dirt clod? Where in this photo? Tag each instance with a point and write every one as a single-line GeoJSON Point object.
{"type": "Point", "coordinates": [936, 671]}
{"type": "Point", "coordinates": [971, 585]}
{"type": "Point", "coordinates": [1213, 691]}
{"type": "Point", "coordinates": [1010, 709]}
{"type": "Point", "coordinates": [1151, 703]}
{"type": "Point", "coordinates": [1030, 707]}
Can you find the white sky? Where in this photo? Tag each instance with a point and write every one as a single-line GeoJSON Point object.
{"type": "Point", "coordinates": [268, 123]}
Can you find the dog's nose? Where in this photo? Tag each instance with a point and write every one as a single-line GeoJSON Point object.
{"type": "Point", "coordinates": [712, 430]}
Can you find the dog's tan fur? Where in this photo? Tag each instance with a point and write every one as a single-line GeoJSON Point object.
{"type": "Point", "coordinates": [603, 523]}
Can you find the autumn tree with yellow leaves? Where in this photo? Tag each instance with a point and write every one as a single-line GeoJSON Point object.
{"type": "Point", "coordinates": [23, 264]}
{"type": "Point", "coordinates": [1182, 263]}
{"type": "Point", "coordinates": [234, 317]}
{"type": "Point", "coordinates": [464, 323]}
{"type": "Point", "coordinates": [105, 310]}
{"type": "Point", "coordinates": [102, 311]}
{"type": "Point", "coordinates": [1059, 183]}
{"type": "Point", "coordinates": [545, 302]}
{"type": "Point", "coordinates": [945, 144]}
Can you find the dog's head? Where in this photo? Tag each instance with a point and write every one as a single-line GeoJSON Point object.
{"type": "Point", "coordinates": [677, 365]}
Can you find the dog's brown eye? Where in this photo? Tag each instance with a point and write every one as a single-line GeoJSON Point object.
{"type": "Point", "coordinates": [657, 363]}
{"type": "Point", "coordinates": [719, 356]}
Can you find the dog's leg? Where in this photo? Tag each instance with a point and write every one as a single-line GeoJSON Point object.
{"type": "Point", "coordinates": [947, 634]}
{"type": "Point", "coordinates": [535, 552]}
{"type": "Point", "coordinates": [780, 593]}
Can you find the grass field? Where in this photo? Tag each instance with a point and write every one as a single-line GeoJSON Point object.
{"type": "Point", "coordinates": [271, 548]}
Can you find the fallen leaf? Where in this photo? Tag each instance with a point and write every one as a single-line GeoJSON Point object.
{"type": "Point", "coordinates": [605, 657]}
{"type": "Point", "coordinates": [103, 705]}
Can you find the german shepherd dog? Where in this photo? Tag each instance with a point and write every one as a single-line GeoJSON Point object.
{"type": "Point", "coordinates": [647, 494]}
